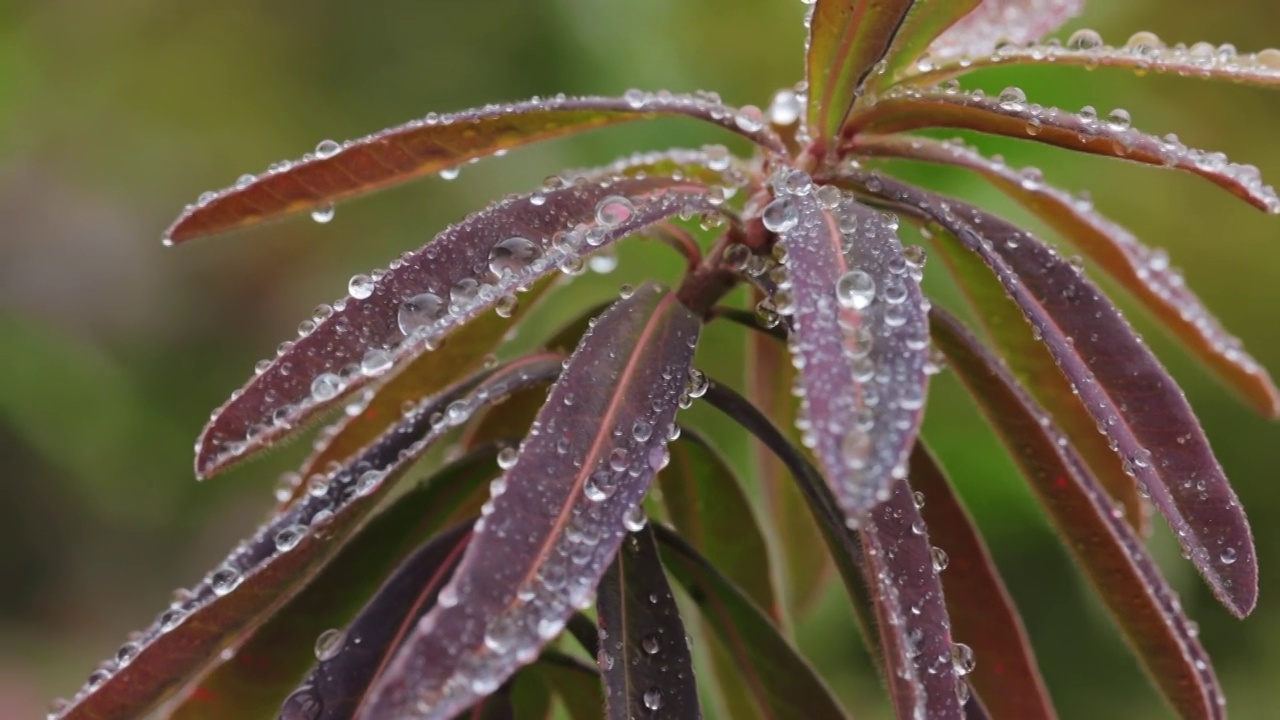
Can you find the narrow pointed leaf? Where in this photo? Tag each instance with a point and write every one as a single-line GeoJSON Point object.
{"type": "Point", "coordinates": [576, 684]}
{"type": "Point", "coordinates": [804, 573]}
{"type": "Point", "coordinates": [644, 653]}
{"type": "Point", "coordinates": [994, 22]}
{"type": "Point", "coordinates": [1129, 393]}
{"type": "Point", "coordinates": [1142, 271]}
{"type": "Point", "coordinates": [349, 662]}
{"type": "Point", "coordinates": [926, 20]}
{"type": "Point", "coordinates": [707, 505]}
{"type": "Point", "coordinates": [268, 665]}
{"type": "Point", "coordinates": [459, 276]}
{"type": "Point", "coordinates": [269, 568]}
{"type": "Point", "coordinates": [421, 147]}
{"type": "Point", "coordinates": [861, 337]}
{"type": "Point", "coordinates": [908, 108]}
{"type": "Point", "coordinates": [780, 680]}
{"type": "Point", "coordinates": [846, 40]}
{"type": "Point", "coordinates": [559, 516]}
{"type": "Point", "coordinates": [982, 613]}
{"type": "Point", "coordinates": [1201, 60]}
{"type": "Point", "coordinates": [1111, 555]}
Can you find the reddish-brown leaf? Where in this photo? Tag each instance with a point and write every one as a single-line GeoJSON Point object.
{"type": "Point", "coordinates": [269, 568]}
{"type": "Point", "coordinates": [908, 108]}
{"type": "Point", "coordinates": [1144, 272]}
{"type": "Point", "coordinates": [427, 295]}
{"type": "Point", "coordinates": [982, 613]}
{"type": "Point", "coordinates": [431, 144]}
{"type": "Point", "coordinates": [926, 20]}
{"type": "Point", "coordinates": [557, 515]}
{"type": "Point", "coordinates": [1016, 22]}
{"type": "Point", "coordinates": [1128, 580]}
{"type": "Point", "coordinates": [1129, 393]}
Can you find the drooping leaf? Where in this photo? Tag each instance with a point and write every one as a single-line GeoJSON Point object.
{"type": "Point", "coordinates": [981, 611]}
{"type": "Point", "coordinates": [1111, 555]}
{"type": "Point", "coordinates": [644, 654]}
{"type": "Point", "coordinates": [908, 108]}
{"type": "Point", "coordinates": [781, 682]}
{"type": "Point", "coordinates": [1133, 399]}
{"type": "Point", "coordinates": [557, 516]}
{"type": "Point", "coordinates": [860, 338]}
{"type": "Point", "coordinates": [431, 144]}
{"type": "Point", "coordinates": [1143, 54]}
{"type": "Point", "coordinates": [925, 22]}
{"type": "Point", "coordinates": [846, 40]}
{"type": "Point", "coordinates": [350, 659]}
{"type": "Point", "coordinates": [922, 665]}
{"type": "Point", "coordinates": [460, 275]}
{"type": "Point", "coordinates": [804, 573]}
{"type": "Point", "coordinates": [1017, 22]}
{"type": "Point", "coordinates": [268, 569]}
{"type": "Point", "coordinates": [709, 508]}
{"type": "Point", "coordinates": [1140, 270]}
{"type": "Point", "coordinates": [268, 665]}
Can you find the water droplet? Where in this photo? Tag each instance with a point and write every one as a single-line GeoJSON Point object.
{"type": "Point", "coordinates": [326, 386]}
{"type": "Point", "coordinates": [329, 644]}
{"type": "Point", "coordinates": [634, 520]}
{"type": "Point", "coordinates": [303, 704]}
{"type": "Point", "coordinates": [698, 383]}
{"type": "Point", "coordinates": [375, 362]}
{"type": "Point", "coordinates": [962, 659]}
{"type": "Point", "coordinates": [613, 210]}
{"type": "Point", "coordinates": [653, 698]}
{"type": "Point", "coordinates": [780, 215]}
{"type": "Point", "coordinates": [513, 256]}
{"type": "Point", "coordinates": [507, 457]}
{"type": "Point", "coordinates": [1012, 98]}
{"type": "Point", "coordinates": [940, 559]}
{"type": "Point", "coordinates": [323, 214]}
{"type": "Point", "coordinates": [1084, 39]}
{"type": "Point", "coordinates": [449, 173]}
{"type": "Point", "coordinates": [289, 537]}
{"type": "Point", "coordinates": [785, 108]}
{"type": "Point", "coordinates": [749, 119]}
{"type": "Point", "coordinates": [856, 289]}
{"type": "Point", "coordinates": [600, 486]}
{"type": "Point", "coordinates": [641, 431]}
{"type": "Point", "coordinates": [327, 149]}
{"type": "Point", "coordinates": [224, 580]}
{"type": "Point", "coordinates": [506, 306]}
{"type": "Point", "coordinates": [1119, 119]}
{"type": "Point", "coordinates": [127, 653]}
{"type": "Point", "coordinates": [618, 459]}
{"type": "Point", "coordinates": [650, 644]}
{"type": "Point", "coordinates": [419, 312]}
{"type": "Point", "coordinates": [603, 262]}
{"type": "Point", "coordinates": [1228, 556]}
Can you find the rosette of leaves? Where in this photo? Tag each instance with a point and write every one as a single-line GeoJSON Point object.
{"type": "Point", "coordinates": [450, 595]}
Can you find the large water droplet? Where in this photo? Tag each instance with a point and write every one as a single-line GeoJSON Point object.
{"type": "Point", "coordinates": [653, 698]}
{"type": "Point", "coordinates": [962, 659]}
{"type": "Point", "coordinates": [613, 210]}
{"type": "Point", "coordinates": [780, 215]}
{"type": "Point", "coordinates": [323, 214]}
{"type": "Point", "coordinates": [419, 312]}
{"type": "Point", "coordinates": [856, 289]}
{"type": "Point", "coordinates": [360, 286]}
{"type": "Point", "coordinates": [327, 149]}
{"type": "Point", "coordinates": [325, 386]}
{"type": "Point", "coordinates": [329, 644]}
{"type": "Point", "coordinates": [513, 256]}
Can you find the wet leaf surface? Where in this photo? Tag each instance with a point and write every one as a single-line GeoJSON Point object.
{"type": "Point", "coordinates": [1015, 22]}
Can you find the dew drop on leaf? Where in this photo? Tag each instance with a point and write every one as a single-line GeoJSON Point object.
{"type": "Point", "coordinates": [419, 312]}
{"type": "Point", "coordinates": [323, 214]}
{"type": "Point", "coordinates": [329, 644]}
{"type": "Point", "coordinates": [780, 215]}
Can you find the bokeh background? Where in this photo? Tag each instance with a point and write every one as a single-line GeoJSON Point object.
{"type": "Point", "coordinates": [113, 349]}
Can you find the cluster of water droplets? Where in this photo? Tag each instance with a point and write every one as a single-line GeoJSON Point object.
{"type": "Point", "coordinates": [1115, 128]}
{"type": "Point", "coordinates": [860, 339]}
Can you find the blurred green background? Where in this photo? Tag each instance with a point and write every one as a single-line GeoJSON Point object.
{"type": "Point", "coordinates": [114, 349]}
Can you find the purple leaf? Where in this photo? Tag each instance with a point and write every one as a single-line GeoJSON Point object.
{"type": "Point", "coordinates": [1126, 389]}
{"type": "Point", "coordinates": [557, 516]}
{"type": "Point", "coordinates": [1009, 114]}
{"type": "Point", "coordinates": [433, 144]}
{"type": "Point", "coordinates": [466, 271]}
{"type": "Point", "coordinates": [780, 680]}
{"type": "Point", "coordinates": [922, 666]}
{"type": "Point", "coordinates": [269, 568]}
{"type": "Point", "coordinates": [925, 22]}
{"type": "Point", "coordinates": [981, 611]}
{"type": "Point", "coordinates": [846, 40]}
{"type": "Point", "coordinates": [1112, 556]}
{"type": "Point", "coordinates": [1018, 22]}
{"type": "Point", "coordinates": [1140, 270]}
{"type": "Point", "coordinates": [859, 337]}
{"type": "Point", "coordinates": [350, 659]}
{"type": "Point", "coordinates": [644, 653]}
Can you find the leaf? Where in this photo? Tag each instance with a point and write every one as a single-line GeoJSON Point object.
{"type": "Point", "coordinates": [922, 665]}
{"type": "Point", "coordinates": [557, 517]}
{"type": "Point", "coordinates": [981, 611]}
{"type": "Point", "coordinates": [709, 508]}
{"type": "Point", "coordinates": [1017, 22]}
{"type": "Point", "coordinates": [431, 144]}
{"type": "Point", "coordinates": [926, 20]}
{"type": "Point", "coordinates": [575, 683]}
{"type": "Point", "coordinates": [268, 664]}
{"type": "Point", "coordinates": [1133, 399]}
{"type": "Point", "coordinates": [1148, 55]}
{"type": "Point", "coordinates": [846, 40]}
{"type": "Point", "coordinates": [644, 653]}
{"type": "Point", "coordinates": [860, 339]}
{"type": "Point", "coordinates": [432, 292]}
{"type": "Point", "coordinates": [467, 351]}
{"type": "Point", "coordinates": [350, 660]}
{"type": "Point", "coordinates": [1111, 555]}
{"type": "Point", "coordinates": [780, 680]}
{"type": "Point", "coordinates": [269, 568]}
{"type": "Point", "coordinates": [803, 573]}
{"type": "Point", "coordinates": [1142, 271]}
{"type": "Point", "coordinates": [908, 108]}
